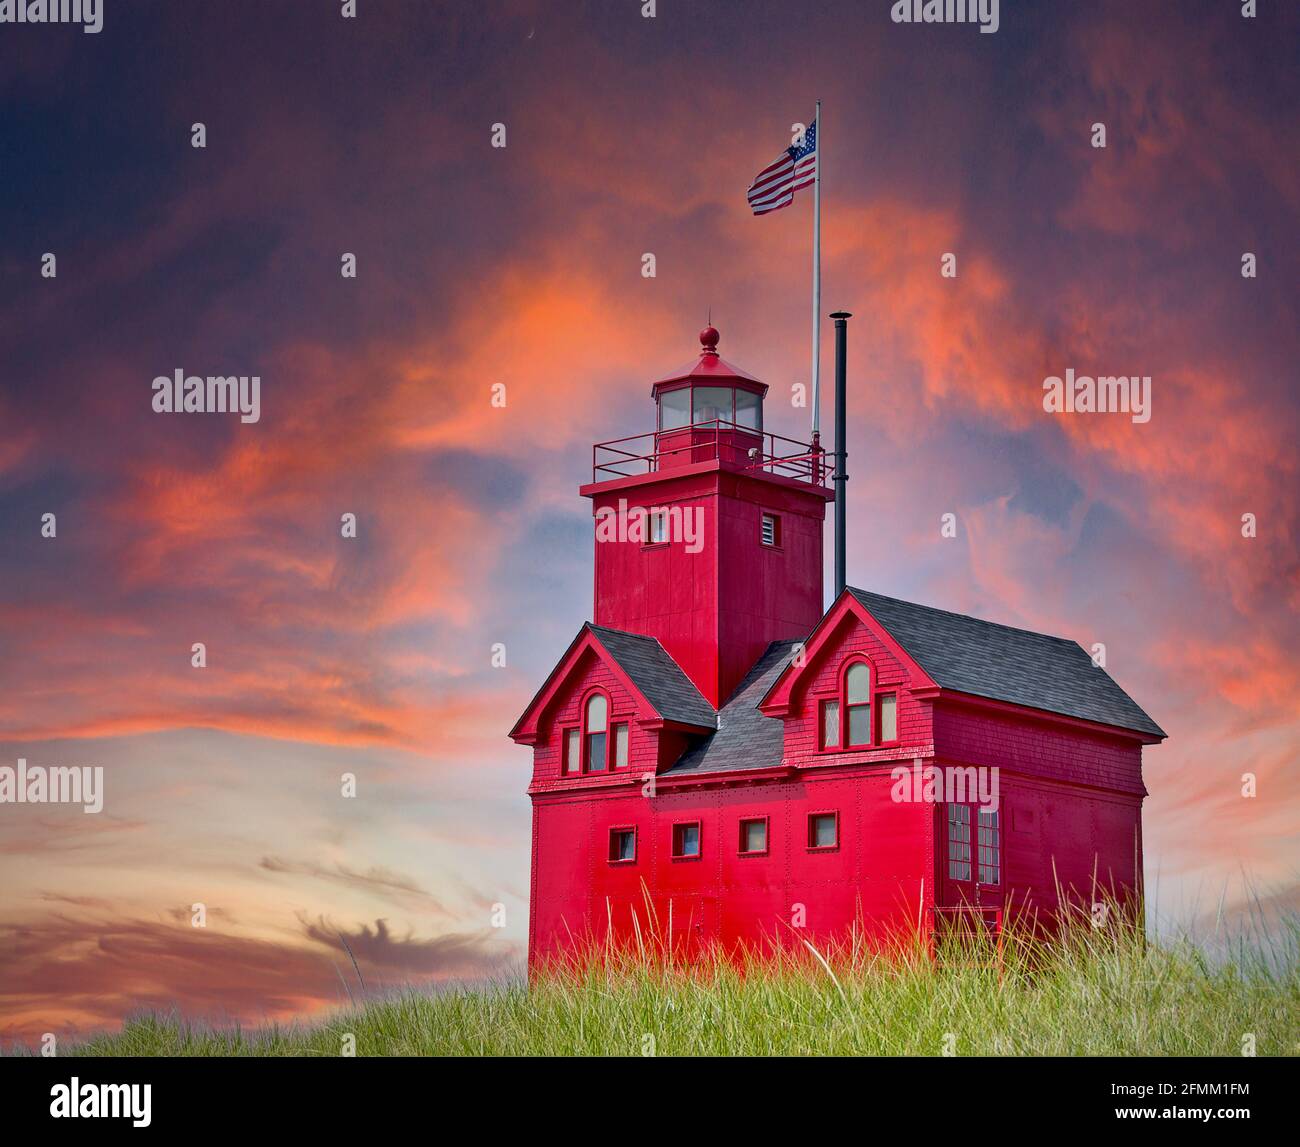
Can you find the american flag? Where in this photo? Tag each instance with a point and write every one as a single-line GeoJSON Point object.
{"type": "Point", "coordinates": [774, 186]}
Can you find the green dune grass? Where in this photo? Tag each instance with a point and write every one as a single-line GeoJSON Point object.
{"type": "Point", "coordinates": [1101, 993]}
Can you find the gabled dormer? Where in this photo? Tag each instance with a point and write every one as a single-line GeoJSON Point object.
{"type": "Point", "coordinates": [616, 706]}
{"type": "Point", "coordinates": [852, 693]}
{"type": "Point", "coordinates": [882, 677]}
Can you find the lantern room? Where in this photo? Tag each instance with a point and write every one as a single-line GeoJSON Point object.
{"type": "Point", "coordinates": [708, 409]}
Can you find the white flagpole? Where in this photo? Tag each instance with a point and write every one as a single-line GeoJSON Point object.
{"type": "Point", "coordinates": [817, 282]}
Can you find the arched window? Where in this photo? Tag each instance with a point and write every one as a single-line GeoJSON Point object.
{"type": "Point", "coordinates": [597, 743]}
{"type": "Point", "coordinates": [857, 704]}
{"type": "Point", "coordinates": [857, 715]}
{"type": "Point", "coordinates": [596, 724]}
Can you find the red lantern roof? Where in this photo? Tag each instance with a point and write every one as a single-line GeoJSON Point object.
{"type": "Point", "coordinates": [710, 367]}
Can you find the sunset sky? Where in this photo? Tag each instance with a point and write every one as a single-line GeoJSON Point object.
{"type": "Point", "coordinates": [522, 265]}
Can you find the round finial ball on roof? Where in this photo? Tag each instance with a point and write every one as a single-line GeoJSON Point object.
{"type": "Point", "coordinates": [709, 339]}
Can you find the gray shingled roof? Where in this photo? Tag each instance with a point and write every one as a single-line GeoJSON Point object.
{"type": "Point", "coordinates": [659, 678]}
{"type": "Point", "coordinates": [746, 739]}
{"type": "Point", "coordinates": [989, 660]}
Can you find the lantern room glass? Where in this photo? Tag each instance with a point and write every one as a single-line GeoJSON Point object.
{"type": "Point", "coordinates": [675, 408]}
{"type": "Point", "coordinates": [749, 410]}
{"type": "Point", "coordinates": [710, 405]}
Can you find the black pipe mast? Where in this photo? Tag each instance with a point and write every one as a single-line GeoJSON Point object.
{"type": "Point", "coordinates": [841, 475]}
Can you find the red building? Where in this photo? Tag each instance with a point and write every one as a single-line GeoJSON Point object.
{"type": "Point", "coordinates": [716, 743]}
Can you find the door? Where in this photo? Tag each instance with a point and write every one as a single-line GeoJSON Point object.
{"type": "Point", "coordinates": [972, 865]}
{"type": "Point", "coordinates": [958, 855]}
{"type": "Point", "coordinates": [988, 862]}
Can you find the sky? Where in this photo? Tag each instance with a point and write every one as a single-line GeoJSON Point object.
{"type": "Point", "coordinates": [521, 265]}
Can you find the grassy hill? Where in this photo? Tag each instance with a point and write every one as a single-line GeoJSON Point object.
{"type": "Point", "coordinates": [1105, 993]}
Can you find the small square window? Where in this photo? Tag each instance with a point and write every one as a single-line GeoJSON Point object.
{"type": "Point", "coordinates": [771, 530]}
{"type": "Point", "coordinates": [622, 845]}
{"type": "Point", "coordinates": [823, 830]}
{"type": "Point", "coordinates": [686, 840]}
{"type": "Point", "coordinates": [753, 836]}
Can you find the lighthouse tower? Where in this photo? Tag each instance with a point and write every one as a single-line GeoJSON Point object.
{"type": "Point", "coordinates": [726, 556]}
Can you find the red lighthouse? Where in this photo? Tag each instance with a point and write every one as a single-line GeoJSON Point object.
{"type": "Point", "coordinates": [716, 750]}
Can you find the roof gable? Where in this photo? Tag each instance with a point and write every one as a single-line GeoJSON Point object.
{"type": "Point", "coordinates": [662, 690]}
{"type": "Point", "coordinates": [1034, 670]}
{"type": "Point", "coordinates": [846, 611]}
{"type": "Point", "coordinates": [657, 677]}
{"type": "Point", "coordinates": [963, 654]}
